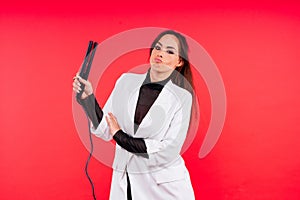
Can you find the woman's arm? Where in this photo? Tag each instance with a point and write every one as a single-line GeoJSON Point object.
{"type": "Point", "coordinates": [98, 127]}
{"type": "Point", "coordinates": [131, 144]}
{"type": "Point", "coordinates": [92, 109]}
{"type": "Point", "coordinates": [88, 100]}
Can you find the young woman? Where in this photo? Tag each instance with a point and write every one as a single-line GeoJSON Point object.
{"type": "Point", "coordinates": [148, 116]}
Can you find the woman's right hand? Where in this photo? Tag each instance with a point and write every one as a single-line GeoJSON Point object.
{"type": "Point", "coordinates": [88, 89]}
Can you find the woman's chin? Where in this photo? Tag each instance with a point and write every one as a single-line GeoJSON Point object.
{"type": "Point", "coordinates": [160, 67]}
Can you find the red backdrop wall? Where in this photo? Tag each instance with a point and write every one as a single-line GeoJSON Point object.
{"type": "Point", "coordinates": [255, 46]}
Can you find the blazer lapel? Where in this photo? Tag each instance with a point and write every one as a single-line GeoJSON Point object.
{"type": "Point", "coordinates": [132, 100]}
{"type": "Point", "coordinates": [157, 115]}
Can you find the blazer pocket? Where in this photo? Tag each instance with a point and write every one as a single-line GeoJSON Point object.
{"type": "Point", "coordinates": [169, 174]}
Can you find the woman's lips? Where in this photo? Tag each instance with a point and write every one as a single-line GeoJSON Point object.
{"type": "Point", "coordinates": [157, 60]}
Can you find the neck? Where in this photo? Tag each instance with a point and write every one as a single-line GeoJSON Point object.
{"type": "Point", "coordinates": [156, 76]}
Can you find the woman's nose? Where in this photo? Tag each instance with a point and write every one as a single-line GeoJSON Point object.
{"type": "Point", "coordinates": [160, 53]}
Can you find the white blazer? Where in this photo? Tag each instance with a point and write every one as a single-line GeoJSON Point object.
{"type": "Point", "coordinates": [162, 176]}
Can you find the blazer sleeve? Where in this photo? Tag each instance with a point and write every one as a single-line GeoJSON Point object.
{"type": "Point", "coordinates": [162, 152]}
{"type": "Point", "coordinates": [102, 130]}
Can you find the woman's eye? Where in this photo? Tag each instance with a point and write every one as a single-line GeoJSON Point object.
{"type": "Point", "coordinates": [170, 52]}
{"type": "Point", "coordinates": [157, 47]}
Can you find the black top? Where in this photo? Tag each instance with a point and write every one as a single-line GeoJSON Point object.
{"type": "Point", "coordinates": [147, 95]}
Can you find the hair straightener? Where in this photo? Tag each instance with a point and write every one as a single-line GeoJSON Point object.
{"type": "Point", "coordinates": [84, 73]}
{"type": "Point", "coordinates": [87, 64]}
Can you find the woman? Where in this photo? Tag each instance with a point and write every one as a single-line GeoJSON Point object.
{"type": "Point", "coordinates": [148, 116]}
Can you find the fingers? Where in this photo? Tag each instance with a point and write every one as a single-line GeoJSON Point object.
{"type": "Point", "coordinates": [76, 86]}
{"type": "Point", "coordinates": [77, 82]}
{"type": "Point", "coordinates": [112, 117]}
{"type": "Point", "coordinates": [87, 86]}
{"type": "Point", "coordinates": [77, 77]}
{"type": "Point", "coordinates": [108, 120]}
{"type": "Point", "coordinates": [112, 123]}
{"type": "Point", "coordinates": [111, 120]}
{"type": "Point", "coordinates": [85, 82]}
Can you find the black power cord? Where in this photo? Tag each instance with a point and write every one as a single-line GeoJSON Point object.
{"type": "Point", "coordinates": [88, 161]}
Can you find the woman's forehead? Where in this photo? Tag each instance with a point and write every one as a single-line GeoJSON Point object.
{"type": "Point", "coordinates": [169, 40]}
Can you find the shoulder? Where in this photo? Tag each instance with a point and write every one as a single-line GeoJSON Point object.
{"type": "Point", "coordinates": [180, 92]}
{"type": "Point", "coordinates": [131, 77]}
{"type": "Point", "coordinates": [129, 81]}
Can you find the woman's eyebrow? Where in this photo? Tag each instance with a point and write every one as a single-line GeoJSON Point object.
{"type": "Point", "coordinates": [159, 43]}
{"type": "Point", "coordinates": [168, 47]}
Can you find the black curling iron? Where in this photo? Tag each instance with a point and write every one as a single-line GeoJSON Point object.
{"type": "Point", "coordinates": [87, 64]}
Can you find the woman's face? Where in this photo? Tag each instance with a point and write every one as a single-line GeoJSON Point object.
{"type": "Point", "coordinates": [165, 55]}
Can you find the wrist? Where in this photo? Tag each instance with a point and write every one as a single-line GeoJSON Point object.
{"type": "Point", "coordinates": [84, 95]}
{"type": "Point", "coordinates": [116, 131]}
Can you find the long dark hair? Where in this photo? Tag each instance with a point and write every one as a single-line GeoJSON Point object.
{"type": "Point", "coordinates": [184, 76]}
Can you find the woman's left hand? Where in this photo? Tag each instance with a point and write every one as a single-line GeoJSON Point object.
{"type": "Point", "coordinates": [112, 123]}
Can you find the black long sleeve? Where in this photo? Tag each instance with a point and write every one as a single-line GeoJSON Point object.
{"type": "Point", "coordinates": [92, 109]}
{"type": "Point", "coordinates": [131, 144]}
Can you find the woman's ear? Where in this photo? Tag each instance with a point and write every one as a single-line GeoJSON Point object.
{"type": "Point", "coordinates": [180, 62]}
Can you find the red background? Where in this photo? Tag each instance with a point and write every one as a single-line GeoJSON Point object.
{"type": "Point", "coordinates": [255, 46]}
